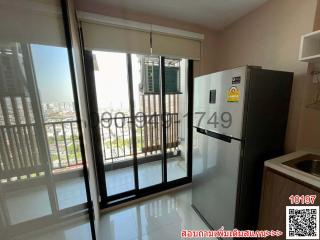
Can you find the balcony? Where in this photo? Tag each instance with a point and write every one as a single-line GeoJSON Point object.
{"type": "Point", "coordinates": [41, 173]}
{"type": "Point", "coordinates": [20, 160]}
{"type": "Point", "coordinates": [116, 137]}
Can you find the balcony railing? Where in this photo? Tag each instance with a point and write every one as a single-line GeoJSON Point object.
{"type": "Point", "coordinates": [19, 148]}
{"type": "Point", "coordinates": [19, 151]}
{"type": "Point", "coordinates": [64, 146]}
{"type": "Point", "coordinates": [117, 135]}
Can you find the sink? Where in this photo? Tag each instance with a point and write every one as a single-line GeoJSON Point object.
{"type": "Point", "coordinates": [309, 163]}
{"type": "Point", "coordinates": [309, 166]}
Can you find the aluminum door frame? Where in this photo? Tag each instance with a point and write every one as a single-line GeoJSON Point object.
{"type": "Point", "coordinates": [109, 201]}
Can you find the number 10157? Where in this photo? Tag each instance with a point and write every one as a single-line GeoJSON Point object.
{"type": "Point", "coordinates": [302, 199]}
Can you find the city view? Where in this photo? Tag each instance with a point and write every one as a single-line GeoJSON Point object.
{"type": "Point", "coordinates": [22, 125]}
{"type": "Point", "coordinates": [62, 134]}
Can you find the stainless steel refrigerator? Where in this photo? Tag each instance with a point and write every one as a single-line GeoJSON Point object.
{"type": "Point", "coordinates": [239, 121]}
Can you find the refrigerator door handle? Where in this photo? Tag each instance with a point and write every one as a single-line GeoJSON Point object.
{"type": "Point", "coordinates": [219, 136]}
{"type": "Point", "coordinates": [200, 130]}
{"type": "Point", "coordinates": [215, 135]}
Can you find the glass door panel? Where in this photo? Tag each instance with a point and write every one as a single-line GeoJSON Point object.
{"type": "Point", "coordinates": [128, 90]}
{"type": "Point", "coordinates": [111, 81]}
{"type": "Point", "coordinates": [176, 101]}
{"type": "Point", "coordinates": [51, 70]}
{"type": "Point", "coordinates": [41, 168]}
{"type": "Point", "coordinates": [146, 86]}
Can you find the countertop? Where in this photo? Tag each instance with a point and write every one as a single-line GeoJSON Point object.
{"type": "Point", "coordinates": [276, 164]}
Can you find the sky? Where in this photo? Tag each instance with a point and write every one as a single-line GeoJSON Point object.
{"type": "Point", "coordinates": [52, 72]}
{"type": "Point", "coordinates": [111, 80]}
{"type": "Point", "coordinates": [51, 65]}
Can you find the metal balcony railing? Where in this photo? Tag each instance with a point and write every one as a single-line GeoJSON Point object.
{"type": "Point", "coordinates": [117, 135]}
{"type": "Point", "coordinates": [64, 146]}
{"type": "Point", "coordinates": [19, 148]}
{"type": "Point", "coordinates": [19, 153]}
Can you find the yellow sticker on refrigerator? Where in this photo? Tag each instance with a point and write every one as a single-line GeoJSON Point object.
{"type": "Point", "coordinates": [233, 94]}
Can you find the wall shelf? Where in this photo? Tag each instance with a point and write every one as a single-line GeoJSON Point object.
{"type": "Point", "coordinates": [310, 47]}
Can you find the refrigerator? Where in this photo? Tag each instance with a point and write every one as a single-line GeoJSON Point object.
{"type": "Point", "coordinates": [239, 121]}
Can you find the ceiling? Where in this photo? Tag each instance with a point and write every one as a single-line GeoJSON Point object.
{"type": "Point", "coordinates": [215, 14]}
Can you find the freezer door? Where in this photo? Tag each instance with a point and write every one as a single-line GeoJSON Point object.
{"type": "Point", "coordinates": [219, 101]}
{"type": "Point", "coordinates": [215, 175]}
{"type": "Point", "coordinates": [200, 102]}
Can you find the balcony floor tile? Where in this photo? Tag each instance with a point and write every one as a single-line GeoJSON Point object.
{"type": "Point", "coordinates": [121, 180]}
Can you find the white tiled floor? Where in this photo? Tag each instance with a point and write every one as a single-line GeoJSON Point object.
{"type": "Point", "coordinates": [159, 218]}
{"type": "Point", "coordinates": [33, 202]}
{"type": "Point", "coordinates": [78, 231]}
{"type": "Point", "coordinates": [25, 204]}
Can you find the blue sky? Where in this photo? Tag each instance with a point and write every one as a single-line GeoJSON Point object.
{"type": "Point", "coordinates": [52, 71]}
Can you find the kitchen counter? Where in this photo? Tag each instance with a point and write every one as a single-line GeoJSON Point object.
{"type": "Point", "coordinates": [277, 165]}
{"type": "Point", "coordinates": [279, 183]}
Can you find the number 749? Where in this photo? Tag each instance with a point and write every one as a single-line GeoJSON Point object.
{"type": "Point", "coordinates": [225, 119]}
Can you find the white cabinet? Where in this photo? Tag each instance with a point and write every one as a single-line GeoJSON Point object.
{"type": "Point", "coordinates": [310, 47]}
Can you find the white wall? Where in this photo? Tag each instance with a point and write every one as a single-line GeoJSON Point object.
{"type": "Point", "coordinates": [270, 37]}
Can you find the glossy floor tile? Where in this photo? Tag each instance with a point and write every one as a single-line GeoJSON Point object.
{"type": "Point", "coordinates": [122, 180]}
{"type": "Point", "coordinates": [74, 231]}
{"type": "Point", "coordinates": [33, 202]}
{"type": "Point", "coordinates": [27, 204]}
{"type": "Point", "coordinates": [160, 218]}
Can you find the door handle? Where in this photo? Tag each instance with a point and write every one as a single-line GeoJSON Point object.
{"type": "Point", "coordinates": [200, 130]}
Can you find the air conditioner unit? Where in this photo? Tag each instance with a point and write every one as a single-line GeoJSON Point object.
{"type": "Point", "coordinates": [12, 75]}
{"type": "Point", "coordinates": [150, 77]}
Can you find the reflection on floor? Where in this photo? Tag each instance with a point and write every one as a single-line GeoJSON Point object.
{"type": "Point", "coordinates": [33, 202]}
{"type": "Point", "coordinates": [27, 204]}
{"type": "Point", "coordinates": [122, 180]}
{"type": "Point", "coordinates": [72, 231]}
{"type": "Point", "coordinates": [160, 218]}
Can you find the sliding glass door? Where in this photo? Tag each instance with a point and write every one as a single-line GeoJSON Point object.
{"type": "Point", "coordinates": [148, 124]}
{"type": "Point", "coordinates": [112, 94]}
{"type": "Point", "coordinates": [176, 105]}
{"type": "Point", "coordinates": [139, 104]}
{"type": "Point", "coordinates": [41, 163]}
